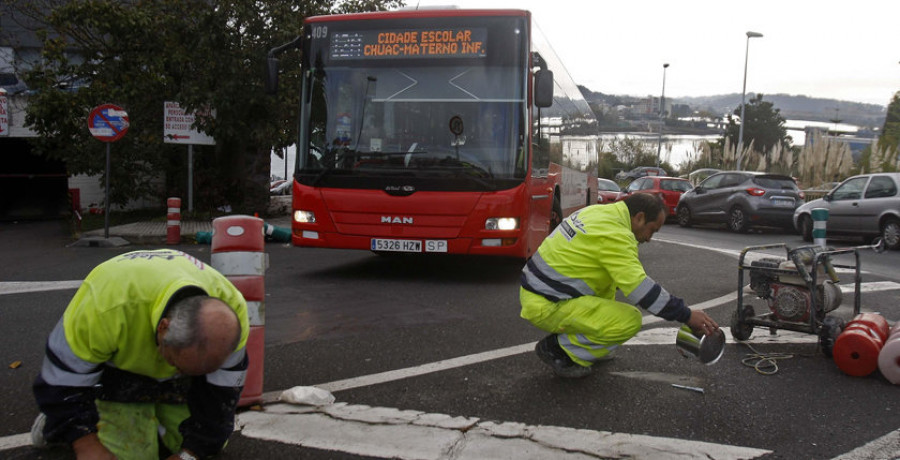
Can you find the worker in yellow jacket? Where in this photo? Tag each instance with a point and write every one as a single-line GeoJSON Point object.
{"type": "Point", "coordinates": [569, 285]}
{"type": "Point", "coordinates": [148, 361]}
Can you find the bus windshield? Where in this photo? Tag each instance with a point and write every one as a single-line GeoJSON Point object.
{"type": "Point", "coordinates": [427, 117]}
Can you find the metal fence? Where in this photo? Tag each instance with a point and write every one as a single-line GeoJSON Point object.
{"type": "Point", "coordinates": [814, 194]}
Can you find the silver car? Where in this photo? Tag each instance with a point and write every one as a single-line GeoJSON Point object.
{"type": "Point", "coordinates": [741, 199]}
{"type": "Point", "coordinates": [867, 205]}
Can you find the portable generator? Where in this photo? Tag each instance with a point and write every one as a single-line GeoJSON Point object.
{"type": "Point", "coordinates": [799, 291]}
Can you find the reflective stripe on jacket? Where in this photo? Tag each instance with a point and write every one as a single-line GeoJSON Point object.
{"type": "Point", "coordinates": [594, 252]}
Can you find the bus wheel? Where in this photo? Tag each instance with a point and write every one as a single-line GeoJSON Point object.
{"type": "Point", "coordinates": [555, 213]}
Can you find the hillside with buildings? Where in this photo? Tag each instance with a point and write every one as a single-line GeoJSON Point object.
{"type": "Point", "coordinates": [617, 112]}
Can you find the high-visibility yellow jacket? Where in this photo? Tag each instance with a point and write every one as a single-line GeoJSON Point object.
{"type": "Point", "coordinates": [111, 323]}
{"type": "Point", "coordinates": [594, 252]}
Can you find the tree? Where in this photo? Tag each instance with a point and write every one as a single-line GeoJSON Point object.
{"type": "Point", "coordinates": [890, 133]}
{"type": "Point", "coordinates": [141, 53]}
{"type": "Point", "coordinates": [763, 127]}
{"type": "Point", "coordinates": [884, 155]}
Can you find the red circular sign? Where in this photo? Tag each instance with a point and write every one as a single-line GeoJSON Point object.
{"type": "Point", "coordinates": [108, 122]}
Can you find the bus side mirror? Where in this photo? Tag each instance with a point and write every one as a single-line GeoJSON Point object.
{"type": "Point", "coordinates": [271, 75]}
{"type": "Point", "coordinates": [543, 88]}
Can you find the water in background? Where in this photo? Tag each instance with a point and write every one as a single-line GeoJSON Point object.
{"type": "Point", "coordinates": [676, 148]}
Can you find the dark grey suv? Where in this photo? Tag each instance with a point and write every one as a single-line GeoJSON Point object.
{"type": "Point", "coordinates": [741, 199]}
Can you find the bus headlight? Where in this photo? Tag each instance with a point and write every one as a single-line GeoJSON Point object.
{"type": "Point", "coordinates": [305, 217]}
{"type": "Point", "coordinates": [501, 223]}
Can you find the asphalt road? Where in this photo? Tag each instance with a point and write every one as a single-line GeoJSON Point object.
{"type": "Point", "coordinates": [333, 315]}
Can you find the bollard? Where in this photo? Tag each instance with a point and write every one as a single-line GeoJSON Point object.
{"type": "Point", "coordinates": [279, 234]}
{"type": "Point", "coordinates": [819, 218]}
{"type": "Point", "coordinates": [889, 357]}
{"type": "Point", "coordinates": [237, 252]}
{"type": "Point", "coordinates": [856, 350]}
{"type": "Point", "coordinates": [173, 221]}
{"type": "Point", "coordinates": [203, 237]}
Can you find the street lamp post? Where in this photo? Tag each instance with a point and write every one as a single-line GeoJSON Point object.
{"type": "Point", "coordinates": [662, 108]}
{"type": "Point", "coordinates": [740, 145]}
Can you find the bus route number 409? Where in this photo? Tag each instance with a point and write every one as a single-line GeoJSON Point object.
{"type": "Point", "coordinates": [391, 245]}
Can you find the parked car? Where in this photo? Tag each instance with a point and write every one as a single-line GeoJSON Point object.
{"type": "Point", "coordinates": [607, 191]}
{"type": "Point", "coordinates": [867, 205]}
{"type": "Point", "coordinates": [281, 187]}
{"type": "Point", "coordinates": [741, 199]}
{"type": "Point", "coordinates": [698, 175]}
{"type": "Point", "coordinates": [668, 188]}
{"type": "Point", "coordinates": [640, 171]}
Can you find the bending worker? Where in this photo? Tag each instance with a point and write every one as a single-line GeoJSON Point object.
{"type": "Point", "coordinates": [569, 285]}
{"type": "Point", "coordinates": [147, 361]}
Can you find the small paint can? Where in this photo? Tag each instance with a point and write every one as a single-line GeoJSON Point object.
{"type": "Point", "coordinates": [706, 348]}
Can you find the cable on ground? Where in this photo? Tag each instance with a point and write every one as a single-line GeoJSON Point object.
{"type": "Point", "coordinates": [763, 363]}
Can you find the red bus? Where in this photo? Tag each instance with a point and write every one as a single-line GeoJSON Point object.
{"type": "Point", "coordinates": [436, 131]}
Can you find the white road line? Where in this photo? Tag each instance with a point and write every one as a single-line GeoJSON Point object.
{"type": "Point", "coordinates": [887, 446]}
{"type": "Point", "coordinates": [750, 257]}
{"type": "Point", "coordinates": [874, 286]}
{"type": "Point", "coordinates": [399, 374]}
{"type": "Point", "coordinates": [18, 287]}
{"type": "Point", "coordinates": [392, 433]}
{"type": "Point", "coordinates": [15, 441]}
{"type": "Point", "coordinates": [730, 252]}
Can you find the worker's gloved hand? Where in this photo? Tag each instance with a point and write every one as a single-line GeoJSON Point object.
{"type": "Point", "coordinates": [701, 323]}
{"type": "Point", "coordinates": [90, 447]}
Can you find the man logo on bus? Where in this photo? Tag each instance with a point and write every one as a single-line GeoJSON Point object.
{"type": "Point", "coordinates": [396, 220]}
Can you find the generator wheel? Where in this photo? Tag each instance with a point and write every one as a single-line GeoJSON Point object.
{"type": "Point", "coordinates": [741, 330]}
{"type": "Point", "coordinates": [832, 327]}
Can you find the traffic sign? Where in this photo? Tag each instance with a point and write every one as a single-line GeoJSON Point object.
{"type": "Point", "coordinates": [108, 122]}
{"type": "Point", "coordinates": [178, 125]}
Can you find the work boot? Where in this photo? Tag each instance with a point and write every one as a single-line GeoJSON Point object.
{"type": "Point", "coordinates": [552, 354]}
{"type": "Point", "coordinates": [37, 432]}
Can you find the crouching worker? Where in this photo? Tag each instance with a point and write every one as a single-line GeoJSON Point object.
{"type": "Point", "coordinates": [569, 285]}
{"type": "Point", "coordinates": [147, 362]}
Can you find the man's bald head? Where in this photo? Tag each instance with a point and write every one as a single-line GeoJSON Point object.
{"type": "Point", "coordinates": [197, 334]}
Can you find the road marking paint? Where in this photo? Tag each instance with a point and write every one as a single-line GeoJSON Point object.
{"type": "Point", "coordinates": [887, 446]}
{"type": "Point", "coordinates": [437, 366]}
{"type": "Point", "coordinates": [645, 337]}
{"type": "Point", "coordinates": [749, 258]}
{"type": "Point", "coordinates": [730, 252]}
{"type": "Point", "coordinates": [18, 287]}
{"type": "Point", "coordinates": [874, 286]}
{"type": "Point", "coordinates": [392, 433]}
{"type": "Point", "coordinates": [15, 441]}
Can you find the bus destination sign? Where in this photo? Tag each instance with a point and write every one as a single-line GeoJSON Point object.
{"type": "Point", "coordinates": [410, 43]}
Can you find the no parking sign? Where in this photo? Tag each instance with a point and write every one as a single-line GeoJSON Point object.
{"type": "Point", "coordinates": [108, 122]}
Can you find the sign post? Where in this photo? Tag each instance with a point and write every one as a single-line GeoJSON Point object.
{"type": "Point", "coordinates": [178, 128]}
{"type": "Point", "coordinates": [108, 123]}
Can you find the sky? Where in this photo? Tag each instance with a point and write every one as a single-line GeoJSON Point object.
{"type": "Point", "coordinates": [847, 50]}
